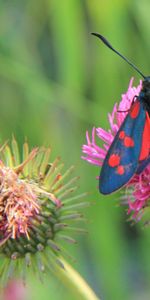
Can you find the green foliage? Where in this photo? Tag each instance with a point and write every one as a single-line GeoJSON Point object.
{"type": "Point", "coordinates": [56, 81]}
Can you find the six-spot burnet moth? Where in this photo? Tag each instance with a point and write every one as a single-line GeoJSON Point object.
{"type": "Point", "coordinates": [129, 152]}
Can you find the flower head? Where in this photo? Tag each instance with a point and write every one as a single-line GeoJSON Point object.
{"type": "Point", "coordinates": [18, 202]}
{"type": "Point", "coordinates": [37, 210]}
{"type": "Point", "coordinates": [137, 190]}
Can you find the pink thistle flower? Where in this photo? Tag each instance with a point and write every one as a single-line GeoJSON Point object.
{"type": "Point", "coordinates": [15, 290]}
{"type": "Point", "coordinates": [138, 188]}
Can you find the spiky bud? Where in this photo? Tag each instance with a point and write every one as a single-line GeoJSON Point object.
{"type": "Point", "coordinates": [37, 210]}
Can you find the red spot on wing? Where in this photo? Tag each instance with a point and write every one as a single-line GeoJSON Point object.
{"type": "Point", "coordinates": [135, 110]}
{"type": "Point", "coordinates": [145, 148]}
{"type": "Point", "coordinates": [114, 160]}
{"type": "Point", "coordinates": [128, 141]}
{"type": "Point", "coordinates": [121, 135]}
{"type": "Point", "coordinates": [120, 170]}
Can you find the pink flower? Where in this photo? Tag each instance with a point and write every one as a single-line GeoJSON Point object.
{"type": "Point", "coordinates": [138, 188]}
{"type": "Point", "coordinates": [15, 290]}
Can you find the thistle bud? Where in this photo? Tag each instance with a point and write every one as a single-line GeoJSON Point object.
{"type": "Point", "coordinates": [38, 209]}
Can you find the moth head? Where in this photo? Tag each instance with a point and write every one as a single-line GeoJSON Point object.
{"type": "Point", "coordinates": [146, 83]}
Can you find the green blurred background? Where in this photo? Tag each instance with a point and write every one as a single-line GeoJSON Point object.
{"type": "Point", "coordinates": [56, 81]}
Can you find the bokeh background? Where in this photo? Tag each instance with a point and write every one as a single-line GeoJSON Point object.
{"type": "Point", "coordinates": [56, 81]}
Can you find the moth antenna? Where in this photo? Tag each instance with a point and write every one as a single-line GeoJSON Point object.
{"type": "Point", "coordinates": [103, 39]}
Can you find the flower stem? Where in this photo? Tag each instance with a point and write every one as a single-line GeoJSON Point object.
{"type": "Point", "coordinates": [73, 280]}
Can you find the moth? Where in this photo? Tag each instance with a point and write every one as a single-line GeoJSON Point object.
{"type": "Point", "coordinates": [129, 153]}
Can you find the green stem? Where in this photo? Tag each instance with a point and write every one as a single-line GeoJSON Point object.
{"type": "Point", "coordinates": [73, 280]}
